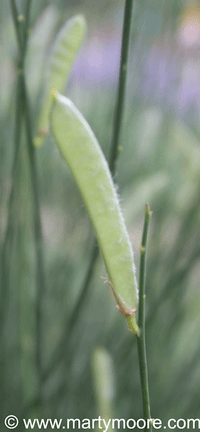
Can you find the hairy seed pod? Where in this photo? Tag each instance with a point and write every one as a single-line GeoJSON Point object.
{"type": "Point", "coordinates": [80, 149]}
{"type": "Point", "coordinates": [68, 42]}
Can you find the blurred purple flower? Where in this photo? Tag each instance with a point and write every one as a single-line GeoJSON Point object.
{"type": "Point", "coordinates": [98, 63]}
{"type": "Point", "coordinates": [160, 73]}
{"type": "Point", "coordinates": [188, 93]}
{"type": "Point", "coordinates": [168, 74]}
{"type": "Point", "coordinates": [171, 77]}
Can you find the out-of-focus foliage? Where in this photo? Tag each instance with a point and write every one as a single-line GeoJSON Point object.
{"type": "Point", "coordinates": [159, 164]}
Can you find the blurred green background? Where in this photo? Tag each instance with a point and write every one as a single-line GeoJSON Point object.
{"type": "Point", "coordinates": [159, 164]}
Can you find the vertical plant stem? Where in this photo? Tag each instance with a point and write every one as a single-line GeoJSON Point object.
{"type": "Point", "coordinates": [141, 344]}
{"type": "Point", "coordinates": [10, 218]}
{"type": "Point", "coordinates": [121, 87]}
{"type": "Point", "coordinates": [22, 37]}
{"type": "Point", "coordinates": [11, 228]}
{"type": "Point", "coordinates": [26, 26]}
{"type": "Point", "coordinates": [40, 274]}
{"type": "Point", "coordinates": [16, 23]}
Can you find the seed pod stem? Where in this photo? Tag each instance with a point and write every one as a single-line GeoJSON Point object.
{"type": "Point", "coordinates": [141, 319]}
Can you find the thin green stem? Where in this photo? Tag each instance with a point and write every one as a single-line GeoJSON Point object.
{"type": "Point", "coordinates": [16, 21]}
{"type": "Point", "coordinates": [40, 277]}
{"type": "Point", "coordinates": [22, 37]}
{"type": "Point", "coordinates": [121, 87]}
{"type": "Point", "coordinates": [26, 26]}
{"type": "Point", "coordinates": [11, 217]}
{"type": "Point", "coordinates": [141, 344]}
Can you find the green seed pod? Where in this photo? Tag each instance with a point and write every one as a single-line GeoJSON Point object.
{"type": "Point", "coordinates": [68, 42]}
{"type": "Point", "coordinates": [81, 151]}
